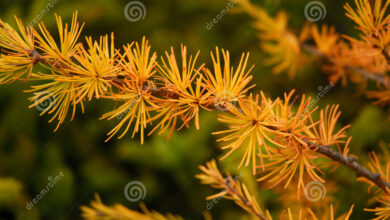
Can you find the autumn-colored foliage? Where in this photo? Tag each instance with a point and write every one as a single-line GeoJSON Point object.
{"type": "Point", "coordinates": [286, 142]}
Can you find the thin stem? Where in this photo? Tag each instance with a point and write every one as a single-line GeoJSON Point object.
{"type": "Point", "coordinates": [350, 162]}
{"type": "Point", "coordinates": [378, 78]}
{"type": "Point", "coordinates": [233, 191]}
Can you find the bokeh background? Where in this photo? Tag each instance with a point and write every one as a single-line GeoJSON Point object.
{"type": "Point", "coordinates": [31, 153]}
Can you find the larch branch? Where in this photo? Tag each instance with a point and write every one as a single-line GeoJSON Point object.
{"type": "Point", "coordinates": [350, 162]}
{"type": "Point", "coordinates": [347, 161]}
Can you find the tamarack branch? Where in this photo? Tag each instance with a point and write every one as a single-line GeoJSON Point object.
{"type": "Point", "coordinates": [279, 142]}
{"type": "Point", "coordinates": [347, 161]}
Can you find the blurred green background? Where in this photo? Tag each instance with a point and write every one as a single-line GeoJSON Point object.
{"type": "Point", "coordinates": [31, 152]}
